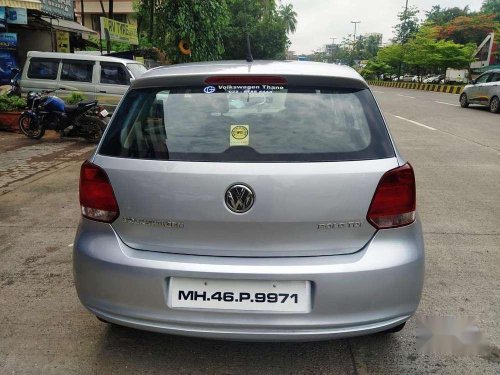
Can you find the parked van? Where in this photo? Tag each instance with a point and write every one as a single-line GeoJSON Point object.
{"type": "Point", "coordinates": [97, 77]}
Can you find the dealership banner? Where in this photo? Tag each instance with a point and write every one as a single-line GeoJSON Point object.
{"type": "Point", "coordinates": [119, 31]}
{"type": "Point", "coordinates": [8, 41]}
{"type": "Point", "coordinates": [18, 16]}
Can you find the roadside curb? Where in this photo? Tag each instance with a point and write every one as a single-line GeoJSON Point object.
{"type": "Point", "coordinates": [449, 89]}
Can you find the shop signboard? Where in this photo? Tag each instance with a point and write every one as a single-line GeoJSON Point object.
{"type": "Point", "coordinates": [8, 41]}
{"type": "Point", "coordinates": [62, 41]}
{"type": "Point", "coordinates": [59, 8]}
{"type": "Point", "coordinates": [18, 16]}
{"type": "Point", "coordinates": [119, 31]}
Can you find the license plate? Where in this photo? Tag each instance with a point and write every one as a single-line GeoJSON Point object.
{"type": "Point", "coordinates": [244, 295]}
{"type": "Point", "coordinates": [104, 113]}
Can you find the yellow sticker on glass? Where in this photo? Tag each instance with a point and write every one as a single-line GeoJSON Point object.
{"type": "Point", "coordinates": [240, 135]}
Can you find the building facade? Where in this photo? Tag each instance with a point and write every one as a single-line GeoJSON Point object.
{"type": "Point", "coordinates": [89, 15]}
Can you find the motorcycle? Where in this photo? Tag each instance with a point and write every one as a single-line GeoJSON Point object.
{"type": "Point", "coordinates": [47, 112]}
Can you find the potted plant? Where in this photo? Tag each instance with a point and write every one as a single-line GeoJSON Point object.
{"type": "Point", "coordinates": [10, 110]}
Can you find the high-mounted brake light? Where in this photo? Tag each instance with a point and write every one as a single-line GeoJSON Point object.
{"type": "Point", "coordinates": [245, 80]}
{"type": "Point", "coordinates": [97, 198]}
{"type": "Point", "coordinates": [394, 202]}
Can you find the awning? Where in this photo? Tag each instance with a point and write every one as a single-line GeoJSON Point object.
{"type": "Point", "coordinates": [26, 4]}
{"type": "Point", "coordinates": [65, 25]}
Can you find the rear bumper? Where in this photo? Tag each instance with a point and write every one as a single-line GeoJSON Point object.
{"type": "Point", "coordinates": [372, 290]}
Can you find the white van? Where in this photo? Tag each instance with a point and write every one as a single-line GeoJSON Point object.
{"type": "Point", "coordinates": [97, 77]}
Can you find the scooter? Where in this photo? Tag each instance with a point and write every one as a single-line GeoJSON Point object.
{"type": "Point", "coordinates": [47, 112]}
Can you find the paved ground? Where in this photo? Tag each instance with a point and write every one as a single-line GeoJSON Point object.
{"type": "Point", "coordinates": [43, 328]}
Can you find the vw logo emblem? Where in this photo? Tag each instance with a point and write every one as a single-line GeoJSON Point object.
{"type": "Point", "coordinates": [239, 198]}
{"type": "Point", "coordinates": [209, 89]}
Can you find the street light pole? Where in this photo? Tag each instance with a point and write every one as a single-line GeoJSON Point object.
{"type": "Point", "coordinates": [403, 31]}
{"type": "Point", "coordinates": [354, 44]}
{"type": "Point", "coordinates": [333, 43]}
{"type": "Point", "coordinates": [355, 26]}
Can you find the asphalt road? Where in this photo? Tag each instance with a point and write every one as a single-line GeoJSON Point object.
{"type": "Point", "coordinates": [43, 328]}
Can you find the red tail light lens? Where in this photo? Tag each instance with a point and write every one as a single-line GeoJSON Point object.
{"type": "Point", "coordinates": [394, 202]}
{"type": "Point", "coordinates": [97, 198]}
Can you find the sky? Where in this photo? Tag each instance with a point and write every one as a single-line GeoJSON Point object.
{"type": "Point", "coordinates": [320, 20]}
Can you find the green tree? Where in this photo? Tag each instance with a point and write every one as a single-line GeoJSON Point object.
{"type": "Point", "coordinates": [408, 25]}
{"type": "Point", "coordinates": [425, 53]}
{"type": "Point", "coordinates": [374, 69]}
{"type": "Point", "coordinates": [391, 55]}
{"type": "Point", "coordinates": [441, 16]}
{"type": "Point", "coordinates": [266, 27]}
{"type": "Point", "coordinates": [289, 17]}
{"type": "Point", "coordinates": [491, 7]}
{"type": "Point", "coordinates": [200, 23]}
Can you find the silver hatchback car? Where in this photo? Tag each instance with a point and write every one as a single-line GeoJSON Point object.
{"type": "Point", "coordinates": [485, 91]}
{"type": "Point", "coordinates": [249, 201]}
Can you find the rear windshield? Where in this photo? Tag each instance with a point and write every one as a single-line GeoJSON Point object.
{"type": "Point", "coordinates": [248, 123]}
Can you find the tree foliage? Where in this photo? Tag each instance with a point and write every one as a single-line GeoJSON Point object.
{"type": "Point", "coordinates": [426, 52]}
{"type": "Point", "coordinates": [468, 29]}
{"type": "Point", "coordinates": [407, 26]}
{"type": "Point", "coordinates": [267, 26]}
{"type": "Point", "coordinates": [491, 7]}
{"type": "Point", "coordinates": [216, 29]}
{"type": "Point", "coordinates": [289, 17]}
{"type": "Point", "coordinates": [199, 23]}
{"type": "Point", "coordinates": [441, 16]}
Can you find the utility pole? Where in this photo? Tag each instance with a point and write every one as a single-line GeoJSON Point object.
{"type": "Point", "coordinates": [110, 9]}
{"type": "Point", "coordinates": [110, 16]}
{"type": "Point", "coordinates": [151, 19]}
{"type": "Point", "coordinates": [354, 44]}
{"type": "Point", "coordinates": [355, 27]}
{"type": "Point", "coordinates": [83, 12]}
{"type": "Point", "coordinates": [333, 45]}
{"type": "Point", "coordinates": [403, 37]}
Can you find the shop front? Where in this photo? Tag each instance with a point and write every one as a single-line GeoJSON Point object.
{"type": "Point", "coordinates": [36, 25]}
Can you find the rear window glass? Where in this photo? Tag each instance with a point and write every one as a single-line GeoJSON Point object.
{"type": "Point", "coordinates": [43, 69]}
{"type": "Point", "coordinates": [251, 123]}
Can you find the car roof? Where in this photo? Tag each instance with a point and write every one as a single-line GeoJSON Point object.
{"type": "Point", "coordinates": [295, 69]}
{"type": "Point", "coordinates": [79, 56]}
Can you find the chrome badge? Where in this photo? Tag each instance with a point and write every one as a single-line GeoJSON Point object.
{"type": "Point", "coordinates": [239, 198]}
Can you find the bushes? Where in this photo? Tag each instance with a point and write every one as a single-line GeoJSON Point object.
{"type": "Point", "coordinates": [11, 103]}
{"type": "Point", "coordinates": [75, 97]}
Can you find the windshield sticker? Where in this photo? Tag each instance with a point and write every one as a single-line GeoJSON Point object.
{"type": "Point", "coordinates": [239, 135]}
{"type": "Point", "coordinates": [233, 89]}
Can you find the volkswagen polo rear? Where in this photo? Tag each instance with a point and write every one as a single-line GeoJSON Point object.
{"type": "Point", "coordinates": [259, 201]}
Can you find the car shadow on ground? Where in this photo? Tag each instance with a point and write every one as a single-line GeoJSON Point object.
{"type": "Point", "coordinates": [480, 108]}
{"type": "Point", "coordinates": [135, 350]}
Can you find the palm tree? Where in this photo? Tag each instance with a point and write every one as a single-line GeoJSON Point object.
{"type": "Point", "coordinates": [289, 17]}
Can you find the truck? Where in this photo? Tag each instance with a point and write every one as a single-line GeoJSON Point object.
{"type": "Point", "coordinates": [456, 76]}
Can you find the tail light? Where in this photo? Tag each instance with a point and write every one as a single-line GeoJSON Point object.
{"type": "Point", "coordinates": [245, 80]}
{"type": "Point", "coordinates": [97, 198]}
{"type": "Point", "coordinates": [394, 203]}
